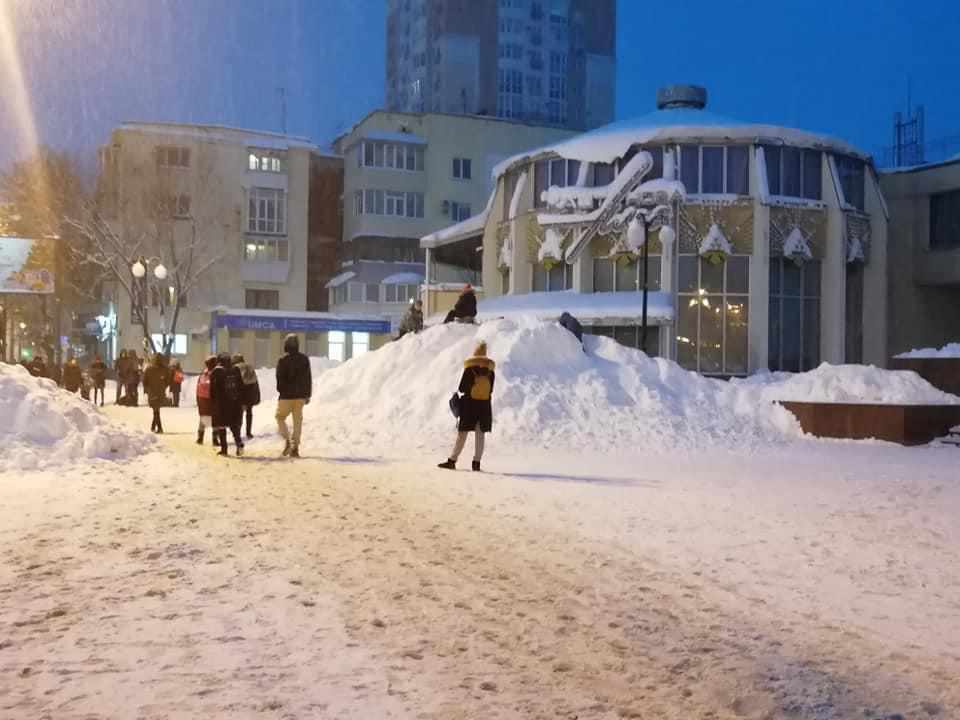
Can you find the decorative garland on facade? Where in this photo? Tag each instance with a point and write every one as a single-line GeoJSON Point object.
{"type": "Point", "coordinates": [858, 237]}
{"type": "Point", "coordinates": [733, 220]}
{"type": "Point", "coordinates": [806, 226]}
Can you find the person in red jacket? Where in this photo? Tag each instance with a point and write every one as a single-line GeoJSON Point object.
{"type": "Point", "coordinates": [204, 405]}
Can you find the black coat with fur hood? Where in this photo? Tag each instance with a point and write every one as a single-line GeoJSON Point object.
{"type": "Point", "coordinates": [476, 384]}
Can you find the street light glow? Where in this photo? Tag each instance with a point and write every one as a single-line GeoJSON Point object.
{"type": "Point", "coordinates": [138, 270]}
{"type": "Point", "coordinates": [160, 272]}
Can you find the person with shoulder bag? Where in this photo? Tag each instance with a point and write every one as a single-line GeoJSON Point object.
{"type": "Point", "coordinates": [475, 408]}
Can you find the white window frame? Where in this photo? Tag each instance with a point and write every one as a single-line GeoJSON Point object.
{"type": "Point", "coordinates": [404, 157]}
{"type": "Point", "coordinates": [336, 345]}
{"type": "Point", "coordinates": [269, 161]}
{"type": "Point", "coordinates": [392, 203]}
{"type": "Point", "coordinates": [459, 211]}
{"type": "Point", "coordinates": [359, 343]}
{"type": "Point", "coordinates": [173, 156]}
{"type": "Point", "coordinates": [260, 199]}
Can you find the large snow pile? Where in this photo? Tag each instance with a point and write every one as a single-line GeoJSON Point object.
{"type": "Point", "coordinates": [951, 350]}
{"type": "Point", "coordinates": [846, 384]}
{"type": "Point", "coordinates": [267, 377]}
{"type": "Point", "coordinates": [42, 425]}
{"type": "Point", "coordinates": [549, 393]}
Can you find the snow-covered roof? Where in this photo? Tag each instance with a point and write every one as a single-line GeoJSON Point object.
{"type": "Point", "coordinates": [403, 278]}
{"type": "Point", "coordinates": [340, 279]}
{"type": "Point", "coordinates": [224, 133]}
{"type": "Point", "coordinates": [399, 137]}
{"type": "Point", "coordinates": [454, 233]}
{"type": "Point", "coordinates": [602, 307]}
{"type": "Point", "coordinates": [607, 143]}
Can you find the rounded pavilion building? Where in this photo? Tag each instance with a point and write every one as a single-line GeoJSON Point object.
{"type": "Point", "coordinates": [766, 245]}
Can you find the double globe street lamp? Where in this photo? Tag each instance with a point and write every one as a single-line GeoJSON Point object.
{"type": "Point", "coordinates": [139, 270]}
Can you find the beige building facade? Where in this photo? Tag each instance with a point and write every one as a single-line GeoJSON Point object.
{"type": "Point", "coordinates": [240, 198]}
{"type": "Point", "coordinates": [924, 264]}
{"type": "Point", "coordinates": [775, 256]}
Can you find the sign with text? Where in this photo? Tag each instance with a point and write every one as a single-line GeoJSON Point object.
{"type": "Point", "coordinates": [304, 325]}
{"type": "Point", "coordinates": [27, 265]}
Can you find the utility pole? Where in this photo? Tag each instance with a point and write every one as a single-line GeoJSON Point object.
{"type": "Point", "coordinates": [283, 109]}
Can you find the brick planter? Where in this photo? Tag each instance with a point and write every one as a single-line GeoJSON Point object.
{"type": "Point", "coordinates": [942, 373]}
{"type": "Point", "coordinates": [903, 424]}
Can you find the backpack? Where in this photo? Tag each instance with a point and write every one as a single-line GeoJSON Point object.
{"type": "Point", "coordinates": [203, 385]}
{"type": "Point", "coordinates": [177, 377]}
{"type": "Point", "coordinates": [232, 385]}
{"type": "Point", "coordinates": [480, 389]}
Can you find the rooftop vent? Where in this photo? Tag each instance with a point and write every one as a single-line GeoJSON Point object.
{"type": "Point", "coordinates": [681, 96]}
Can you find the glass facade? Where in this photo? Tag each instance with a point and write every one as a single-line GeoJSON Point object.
{"type": "Point", "coordinates": [794, 320]}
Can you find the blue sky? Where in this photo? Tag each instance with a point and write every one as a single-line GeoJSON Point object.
{"type": "Point", "coordinates": [838, 67]}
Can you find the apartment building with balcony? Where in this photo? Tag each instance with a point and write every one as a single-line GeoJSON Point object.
{"type": "Point", "coordinates": [244, 199]}
{"type": "Point", "coordinates": [407, 175]}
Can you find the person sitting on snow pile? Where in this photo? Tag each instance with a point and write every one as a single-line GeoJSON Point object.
{"type": "Point", "coordinates": [465, 309]}
{"type": "Point", "coordinates": [412, 321]}
{"type": "Point", "coordinates": [569, 322]}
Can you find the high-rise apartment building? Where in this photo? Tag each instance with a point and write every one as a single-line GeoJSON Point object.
{"type": "Point", "coordinates": [549, 62]}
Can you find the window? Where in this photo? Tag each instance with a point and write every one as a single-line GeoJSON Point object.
{"type": "Point", "coordinates": [945, 220]}
{"type": "Point", "coordinates": [388, 202]}
{"type": "Point", "coordinates": [336, 343]}
{"type": "Point", "coordinates": [792, 172]}
{"type": "Point", "coordinates": [712, 169]}
{"type": "Point", "coordinates": [372, 293]}
{"type": "Point", "coordinates": [459, 211]}
{"type": "Point", "coordinates": [355, 294]}
{"type": "Point", "coordinates": [536, 63]}
{"type": "Point", "coordinates": [172, 156]}
{"type": "Point", "coordinates": [360, 344]}
{"type": "Point", "coordinates": [395, 156]}
{"type": "Point", "coordinates": [611, 275]}
{"type": "Point", "coordinates": [534, 86]}
{"type": "Point", "coordinates": [794, 330]}
{"type": "Point", "coordinates": [339, 295]}
{"type": "Point", "coordinates": [557, 278]}
{"type": "Point", "coordinates": [558, 87]}
{"type": "Point", "coordinates": [175, 206]}
{"type": "Point", "coordinates": [262, 299]}
{"type": "Point", "coordinates": [266, 250]}
{"type": "Point", "coordinates": [550, 173]}
{"type": "Point", "coordinates": [851, 171]}
{"type": "Point", "coordinates": [713, 314]}
{"type": "Point", "coordinates": [314, 344]}
{"type": "Point", "coordinates": [462, 168]}
{"type": "Point", "coordinates": [266, 161]}
{"type": "Point", "coordinates": [267, 211]}
{"type": "Point", "coordinates": [179, 346]}
{"type": "Point", "coordinates": [629, 336]}
{"type": "Point", "coordinates": [400, 293]}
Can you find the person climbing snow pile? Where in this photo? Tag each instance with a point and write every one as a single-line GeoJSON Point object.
{"type": "Point", "coordinates": [412, 321]}
{"type": "Point", "coordinates": [465, 309]}
{"type": "Point", "coordinates": [476, 407]}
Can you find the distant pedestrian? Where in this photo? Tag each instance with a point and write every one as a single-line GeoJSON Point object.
{"type": "Point", "coordinates": [120, 372]}
{"type": "Point", "coordinates": [86, 385]}
{"type": "Point", "coordinates": [250, 394]}
{"type": "Point", "coordinates": [37, 367]}
{"type": "Point", "coordinates": [131, 380]}
{"type": "Point", "coordinates": [204, 404]}
{"type": "Point", "coordinates": [465, 309]}
{"type": "Point", "coordinates": [294, 388]}
{"type": "Point", "coordinates": [156, 378]}
{"type": "Point", "coordinates": [98, 376]}
{"type": "Point", "coordinates": [412, 321]}
{"type": "Point", "coordinates": [176, 382]}
{"type": "Point", "coordinates": [72, 376]}
{"type": "Point", "coordinates": [476, 408]}
{"type": "Point", "coordinates": [226, 387]}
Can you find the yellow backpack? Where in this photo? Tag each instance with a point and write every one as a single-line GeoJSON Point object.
{"type": "Point", "coordinates": [480, 390]}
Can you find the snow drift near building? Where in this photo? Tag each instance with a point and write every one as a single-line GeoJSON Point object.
{"type": "Point", "coordinates": [551, 393]}
{"type": "Point", "coordinates": [951, 350]}
{"type": "Point", "coordinates": [42, 425]}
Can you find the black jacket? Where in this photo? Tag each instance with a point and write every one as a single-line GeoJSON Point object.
{"type": "Point", "coordinates": [226, 401]}
{"type": "Point", "coordinates": [98, 373]}
{"type": "Point", "coordinates": [155, 381]}
{"type": "Point", "coordinates": [72, 377]}
{"type": "Point", "coordinates": [294, 379]}
{"type": "Point", "coordinates": [466, 306]}
{"type": "Point", "coordinates": [476, 384]}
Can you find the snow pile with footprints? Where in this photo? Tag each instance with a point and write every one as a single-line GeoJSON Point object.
{"type": "Point", "coordinates": [551, 393]}
{"type": "Point", "coordinates": [43, 426]}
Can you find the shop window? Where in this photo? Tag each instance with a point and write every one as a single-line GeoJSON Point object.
{"type": "Point", "coordinates": [712, 322]}
{"type": "Point", "coordinates": [336, 345]}
{"type": "Point", "coordinates": [629, 336]}
{"type": "Point", "coordinates": [359, 344]}
{"type": "Point", "coordinates": [794, 320]}
{"type": "Point", "coordinates": [556, 279]}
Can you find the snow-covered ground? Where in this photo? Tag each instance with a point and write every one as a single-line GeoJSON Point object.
{"type": "Point", "coordinates": [683, 574]}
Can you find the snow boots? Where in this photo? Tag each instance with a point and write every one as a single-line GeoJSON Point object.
{"type": "Point", "coordinates": [286, 448]}
{"type": "Point", "coordinates": [448, 465]}
{"type": "Point", "coordinates": [476, 466]}
{"type": "Point", "coordinates": [200, 435]}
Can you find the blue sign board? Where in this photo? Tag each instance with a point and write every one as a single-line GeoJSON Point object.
{"type": "Point", "coordinates": [296, 324]}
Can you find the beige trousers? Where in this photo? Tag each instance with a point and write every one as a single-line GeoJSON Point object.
{"type": "Point", "coordinates": [462, 440]}
{"type": "Point", "coordinates": [286, 408]}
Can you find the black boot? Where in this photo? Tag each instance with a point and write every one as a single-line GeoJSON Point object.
{"type": "Point", "coordinates": [476, 466]}
{"type": "Point", "coordinates": [200, 435]}
{"type": "Point", "coordinates": [448, 465]}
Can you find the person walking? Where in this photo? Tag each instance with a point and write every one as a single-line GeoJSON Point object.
{"type": "Point", "coordinates": [294, 388]}
{"type": "Point", "coordinates": [476, 409]}
{"type": "Point", "coordinates": [225, 397]}
{"type": "Point", "coordinates": [131, 382]}
{"type": "Point", "coordinates": [72, 376]}
{"type": "Point", "coordinates": [120, 372]}
{"type": "Point", "coordinates": [98, 376]}
{"type": "Point", "coordinates": [156, 378]}
{"type": "Point", "coordinates": [465, 309]}
{"type": "Point", "coordinates": [412, 321]}
{"type": "Point", "coordinates": [250, 393]}
{"type": "Point", "coordinates": [176, 382]}
{"type": "Point", "coordinates": [204, 404]}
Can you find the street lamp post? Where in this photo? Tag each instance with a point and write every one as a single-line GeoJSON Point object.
{"type": "Point", "coordinates": [139, 270]}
